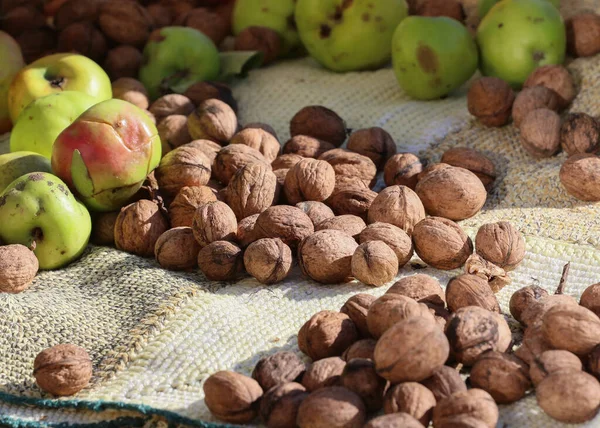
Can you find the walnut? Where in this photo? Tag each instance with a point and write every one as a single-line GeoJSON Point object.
{"type": "Point", "coordinates": [501, 244]}
{"type": "Point", "coordinates": [399, 206]}
{"type": "Point", "coordinates": [171, 104]}
{"type": "Point", "coordinates": [593, 361]}
{"type": "Point", "coordinates": [533, 344]}
{"type": "Point", "coordinates": [540, 133]}
{"type": "Point", "coordinates": [402, 169]}
{"type": "Point", "coordinates": [524, 297]}
{"type": "Point", "coordinates": [473, 330]}
{"type": "Point", "coordinates": [530, 99]}
{"type": "Point", "coordinates": [350, 164]}
{"type": "Point", "coordinates": [431, 168]}
{"type": "Point", "coordinates": [393, 236]}
{"type": "Point", "coordinates": [496, 277]}
{"type": "Point", "coordinates": [357, 307]}
{"type": "Point", "coordinates": [262, 39]}
{"type": "Point", "coordinates": [316, 211]}
{"type": "Point", "coordinates": [131, 90]}
{"type": "Point", "coordinates": [123, 61]}
{"type": "Point", "coordinates": [411, 350]}
{"type": "Point", "coordinates": [441, 243]}
{"type": "Point", "coordinates": [327, 334]}
{"type": "Point", "coordinates": [470, 290]}
{"type": "Point", "coordinates": [305, 146]}
{"type": "Point", "coordinates": [260, 140]}
{"type": "Point", "coordinates": [490, 99]}
{"type": "Point", "coordinates": [286, 161]}
{"type": "Point", "coordinates": [536, 309]}
{"type": "Point", "coordinates": [343, 182]}
{"type": "Point", "coordinates": [374, 263]}
{"type": "Point", "coordinates": [583, 34]}
{"type": "Point", "coordinates": [173, 132]}
{"type": "Point", "coordinates": [182, 167]}
{"type": "Point", "coordinates": [364, 348]}
{"type": "Point", "coordinates": [309, 180]}
{"type": "Point", "coordinates": [268, 260]}
{"type": "Point", "coordinates": [391, 308]}
{"type": "Point", "coordinates": [474, 403]}
{"type": "Point", "coordinates": [252, 190]}
{"type": "Point", "coordinates": [288, 223]}
{"type": "Point", "coordinates": [76, 11]}
{"type": "Point", "coordinates": [209, 148]}
{"type": "Point", "coordinates": [505, 377]}
{"type": "Point", "coordinates": [62, 369]}
{"type": "Point", "coordinates": [83, 38]}
{"type": "Point", "coordinates": [590, 298]}
{"type": "Point", "coordinates": [138, 227]}
{"type": "Point", "coordinates": [232, 397]}
{"type": "Point", "coordinates": [234, 157]}
{"type": "Point", "coordinates": [572, 328]}
{"type": "Point", "coordinates": [127, 23]}
{"type": "Point", "coordinates": [394, 420]}
{"type": "Point", "coordinates": [450, 8]}
{"type": "Point", "coordinates": [359, 376]}
{"type": "Point", "coordinates": [214, 221]}
{"type": "Point", "coordinates": [279, 406]}
{"type": "Point", "coordinates": [570, 397]}
{"type": "Point", "coordinates": [422, 288]}
{"type": "Point", "coordinates": [453, 192]}
{"type": "Point", "coordinates": [221, 261]}
{"type": "Point", "coordinates": [206, 21]}
{"type": "Point", "coordinates": [103, 228]}
{"type": "Point", "coordinates": [202, 91]}
{"type": "Point", "coordinates": [474, 161]}
{"type": "Point", "coordinates": [412, 398]}
{"type": "Point", "coordinates": [352, 200]}
{"type": "Point", "coordinates": [444, 382]}
{"type": "Point", "coordinates": [553, 361]}
{"type": "Point", "coordinates": [556, 78]}
{"type": "Point", "coordinates": [161, 15]}
{"type": "Point", "coordinates": [36, 44]}
{"type": "Point", "coordinates": [580, 176]}
{"type": "Point", "coordinates": [21, 20]}
{"type": "Point", "coordinates": [281, 174]}
{"type": "Point", "coordinates": [246, 233]}
{"type": "Point", "coordinates": [375, 143]}
{"type": "Point", "coordinates": [177, 249]}
{"type": "Point", "coordinates": [349, 224]}
{"type": "Point", "coordinates": [263, 126]}
{"type": "Point", "coordinates": [186, 202]}
{"type": "Point", "coordinates": [321, 123]}
{"type": "Point", "coordinates": [333, 406]}
{"type": "Point", "coordinates": [18, 268]}
{"type": "Point", "coordinates": [278, 368]}
{"type": "Point", "coordinates": [326, 256]}
{"type": "Point", "coordinates": [323, 373]}
{"type": "Point", "coordinates": [580, 133]}
{"type": "Point", "coordinates": [213, 120]}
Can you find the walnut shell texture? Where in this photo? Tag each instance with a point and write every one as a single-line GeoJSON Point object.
{"type": "Point", "coordinates": [490, 99]}
{"type": "Point", "coordinates": [444, 382]}
{"type": "Point", "coordinates": [474, 161]}
{"type": "Point", "coordinates": [315, 410]}
{"type": "Point", "coordinates": [399, 206]}
{"type": "Point", "coordinates": [231, 396]}
{"type": "Point", "coordinates": [123, 61]}
{"type": "Point", "coordinates": [374, 263]}
{"type": "Point", "coordinates": [279, 406]}
{"type": "Point", "coordinates": [350, 224]}
{"type": "Point", "coordinates": [321, 123]}
{"type": "Point", "coordinates": [62, 370]}
{"type": "Point", "coordinates": [278, 368]}
{"type": "Point", "coordinates": [352, 200]}
{"type": "Point", "coordinates": [475, 403]}
{"type": "Point", "coordinates": [288, 223]}
{"type": "Point", "coordinates": [131, 90]}
{"type": "Point", "coordinates": [571, 328]}
{"type": "Point", "coordinates": [590, 298]}
{"type": "Point", "coordinates": [350, 164]}
{"type": "Point", "coordinates": [213, 120]}
{"type": "Point", "coordinates": [103, 228]}
{"type": "Point", "coordinates": [583, 34]}
{"type": "Point", "coordinates": [390, 309]}
{"type": "Point", "coordinates": [214, 221]}
{"type": "Point", "coordinates": [182, 167]}
{"type": "Point", "coordinates": [138, 227]}
{"type": "Point", "coordinates": [261, 39]}
{"type": "Point", "coordinates": [530, 99]}
{"type": "Point", "coordinates": [171, 104]}
{"type": "Point", "coordinates": [402, 169]}
{"type": "Point", "coordinates": [85, 39]}
{"type": "Point", "coordinates": [127, 23]}
{"type": "Point", "coordinates": [359, 376]}
{"type": "Point", "coordinates": [556, 78]}
{"type": "Point", "coordinates": [309, 180]}
{"type": "Point", "coordinates": [206, 90]}
{"type": "Point", "coordinates": [305, 146]}
{"type": "Point", "coordinates": [186, 202]}
{"type": "Point", "coordinates": [536, 310]}
{"type": "Point", "coordinates": [524, 297]}
{"type": "Point", "coordinates": [394, 420]}
{"type": "Point", "coordinates": [18, 268]}
{"type": "Point", "coordinates": [412, 398]}
{"type": "Point", "coordinates": [393, 236]}
{"type": "Point", "coordinates": [252, 190]}
{"type": "Point", "coordinates": [173, 132]}
{"type": "Point", "coordinates": [316, 211]}
{"type": "Point", "coordinates": [234, 157]}
{"type": "Point", "coordinates": [504, 376]}
{"type": "Point", "coordinates": [375, 143]}
{"type": "Point", "coordinates": [260, 140]}
{"type": "Point", "coordinates": [322, 373]}
{"type": "Point", "coordinates": [552, 361]}
{"type": "Point", "coordinates": [206, 21]}
{"type": "Point", "coordinates": [580, 176]}
{"type": "Point", "coordinates": [364, 348]}
{"type": "Point", "coordinates": [580, 133]}
{"type": "Point", "coordinates": [540, 133]}
{"type": "Point", "coordinates": [441, 243]}
{"type": "Point", "coordinates": [420, 287]}
{"type": "Point", "coordinates": [221, 261]}
{"type": "Point", "coordinates": [285, 161]}
{"type": "Point", "coordinates": [470, 290]}
{"type": "Point", "coordinates": [246, 234]}
{"type": "Point", "coordinates": [177, 249]}
{"type": "Point", "coordinates": [268, 260]}
{"type": "Point", "coordinates": [327, 334]}
{"type": "Point", "coordinates": [500, 243]}
{"type": "Point", "coordinates": [357, 307]}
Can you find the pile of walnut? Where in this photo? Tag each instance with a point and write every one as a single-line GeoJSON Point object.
{"type": "Point", "coordinates": [535, 112]}
{"type": "Point", "coordinates": [404, 352]}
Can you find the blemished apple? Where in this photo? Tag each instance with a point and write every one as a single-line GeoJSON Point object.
{"type": "Point", "coordinates": [484, 6]}
{"type": "Point", "coordinates": [38, 210]}
{"type": "Point", "coordinates": [347, 35]}
{"type": "Point", "coordinates": [177, 57]}
{"type": "Point", "coordinates": [45, 118]}
{"type": "Point", "coordinates": [12, 62]}
{"type": "Point", "coordinates": [518, 36]}
{"type": "Point", "coordinates": [14, 165]}
{"type": "Point", "coordinates": [56, 73]}
{"type": "Point", "coordinates": [433, 56]}
{"type": "Point", "coordinates": [277, 15]}
{"type": "Point", "coordinates": [105, 155]}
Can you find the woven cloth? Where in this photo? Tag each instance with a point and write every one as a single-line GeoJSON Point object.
{"type": "Point", "coordinates": [155, 336]}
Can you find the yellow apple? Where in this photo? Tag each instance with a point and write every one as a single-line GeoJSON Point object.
{"type": "Point", "coordinates": [12, 62]}
{"type": "Point", "coordinates": [56, 73]}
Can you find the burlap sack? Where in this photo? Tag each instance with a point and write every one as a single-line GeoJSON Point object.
{"type": "Point", "coordinates": [155, 336]}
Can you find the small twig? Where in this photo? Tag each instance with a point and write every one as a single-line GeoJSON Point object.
{"type": "Point", "coordinates": [563, 279]}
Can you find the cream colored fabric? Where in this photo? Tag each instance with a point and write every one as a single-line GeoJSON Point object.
{"type": "Point", "coordinates": [155, 336]}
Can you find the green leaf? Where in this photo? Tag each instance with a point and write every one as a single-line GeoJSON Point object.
{"type": "Point", "coordinates": [239, 63]}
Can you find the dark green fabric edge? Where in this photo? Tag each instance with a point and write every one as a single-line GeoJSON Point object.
{"type": "Point", "coordinates": [96, 406]}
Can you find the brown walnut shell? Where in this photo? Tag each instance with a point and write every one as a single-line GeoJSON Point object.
{"type": "Point", "coordinates": [553, 361]}
{"type": "Point", "coordinates": [530, 99]}
{"type": "Point", "coordinates": [234, 157]}
{"type": "Point", "coordinates": [580, 133]}
{"type": "Point", "coordinates": [444, 382]}
{"type": "Point", "coordinates": [352, 200]}
{"type": "Point", "coordinates": [580, 176]}
{"type": "Point", "coordinates": [536, 309]}
{"type": "Point", "coordinates": [103, 228]}
{"type": "Point", "coordinates": [394, 420]}
{"type": "Point", "coordinates": [583, 34]}
{"type": "Point", "coordinates": [206, 21]}
{"type": "Point", "coordinates": [232, 397]}
{"type": "Point", "coordinates": [533, 344]}
{"type": "Point", "coordinates": [375, 143]}
{"type": "Point", "coordinates": [321, 123]}
{"type": "Point", "coordinates": [402, 169]}
{"type": "Point", "coordinates": [62, 370]}
{"type": "Point", "coordinates": [357, 307]}
{"type": "Point", "coordinates": [131, 90]}
{"type": "Point", "coordinates": [474, 403]}
{"type": "Point", "coordinates": [260, 140]}
{"type": "Point", "coordinates": [441, 243]}
{"type": "Point", "coordinates": [470, 290]}
{"type": "Point", "coordinates": [285, 161]}
{"type": "Point", "coordinates": [83, 38]}
{"type": "Point", "coordinates": [393, 236]}
{"type": "Point", "coordinates": [246, 234]}
{"type": "Point", "coordinates": [186, 202]}
{"type": "Point", "coordinates": [127, 23]}
{"type": "Point", "coordinates": [182, 167]}
{"type": "Point", "coordinates": [390, 309]}
{"type": "Point", "coordinates": [315, 410]}
{"type": "Point", "coordinates": [252, 190]}
{"type": "Point", "coordinates": [505, 377]}
{"type": "Point", "coordinates": [590, 298]}
{"type": "Point", "coordinates": [350, 164]}
{"type": "Point", "coordinates": [213, 120]}
{"type": "Point", "coordinates": [556, 78]}
{"type": "Point", "coordinates": [474, 161]}
{"type": "Point", "coordinates": [221, 261]}
{"type": "Point", "coordinates": [171, 104]}
{"type": "Point", "coordinates": [420, 287]}
{"type": "Point", "coordinates": [524, 297]}
{"type": "Point", "coordinates": [268, 260]}
{"type": "Point", "coordinates": [202, 91]}
{"type": "Point", "coordinates": [18, 268]}
{"type": "Point", "coordinates": [309, 180]}
{"type": "Point", "coordinates": [173, 132]}
{"type": "Point", "coordinates": [397, 205]}
{"type": "Point", "coordinates": [374, 263]}
{"type": "Point", "coordinates": [73, 11]}
{"type": "Point", "coordinates": [326, 334]}
{"type": "Point", "coordinates": [323, 373]}
{"type": "Point", "coordinates": [540, 133]}
{"type": "Point", "coordinates": [281, 367]}
{"type": "Point", "coordinates": [572, 328]}
{"type": "Point", "coordinates": [138, 227]}
{"type": "Point", "coordinates": [290, 224]}
{"type": "Point", "coordinates": [305, 146]}
{"type": "Point", "coordinates": [349, 224]}
{"type": "Point", "coordinates": [364, 348]}
{"type": "Point", "coordinates": [326, 256]}
{"type": "Point", "coordinates": [359, 376]}
{"type": "Point", "coordinates": [279, 406]}
{"type": "Point", "coordinates": [490, 99]}
{"type": "Point", "coordinates": [177, 249]}
{"type": "Point", "coordinates": [500, 243]}
{"type": "Point", "coordinates": [260, 39]}
{"type": "Point", "coordinates": [123, 61]}
{"type": "Point", "coordinates": [161, 15]}
{"type": "Point", "coordinates": [412, 398]}
{"type": "Point", "coordinates": [214, 221]}
{"type": "Point", "coordinates": [316, 211]}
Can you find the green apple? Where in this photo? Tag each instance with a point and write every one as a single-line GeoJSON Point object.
{"type": "Point", "coordinates": [485, 6]}
{"type": "Point", "coordinates": [277, 15]}
{"type": "Point", "coordinates": [14, 165]}
{"type": "Point", "coordinates": [177, 57]}
{"type": "Point", "coordinates": [346, 35]}
{"type": "Point", "coordinates": [56, 73]}
{"type": "Point", "coordinates": [45, 118]}
{"type": "Point", "coordinates": [38, 210]}
{"type": "Point", "coordinates": [12, 62]}
{"type": "Point", "coordinates": [432, 56]}
{"type": "Point", "coordinates": [518, 36]}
